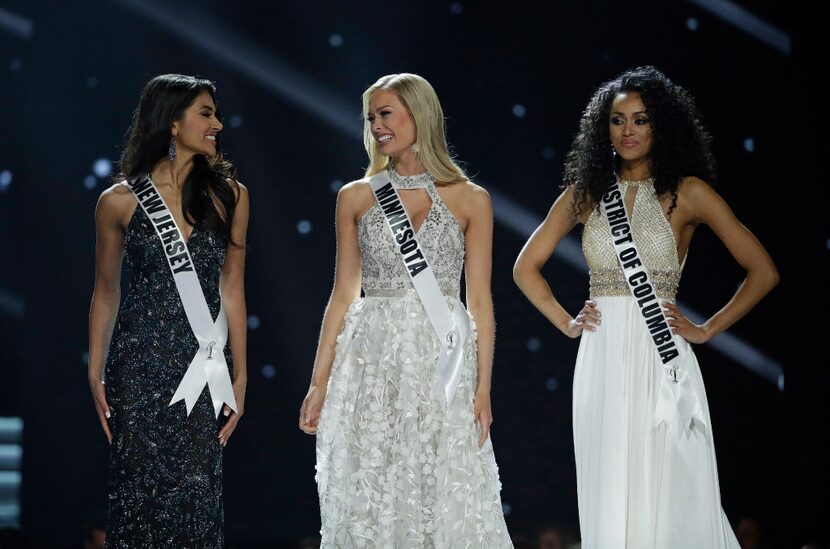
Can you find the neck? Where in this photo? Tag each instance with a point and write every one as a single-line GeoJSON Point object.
{"type": "Point", "coordinates": [635, 170]}
{"type": "Point", "coordinates": [175, 172]}
{"type": "Point", "coordinates": [407, 164]}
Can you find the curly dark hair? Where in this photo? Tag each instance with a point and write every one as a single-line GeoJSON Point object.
{"type": "Point", "coordinates": [681, 145]}
{"type": "Point", "coordinates": [164, 100]}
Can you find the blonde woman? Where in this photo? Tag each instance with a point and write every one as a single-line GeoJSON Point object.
{"type": "Point", "coordinates": [398, 465]}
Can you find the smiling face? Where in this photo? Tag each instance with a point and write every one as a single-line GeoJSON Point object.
{"type": "Point", "coordinates": [630, 127]}
{"type": "Point", "coordinates": [196, 132]}
{"type": "Point", "coordinates": [391, 123]}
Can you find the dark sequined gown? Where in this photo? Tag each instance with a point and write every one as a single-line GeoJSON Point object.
{"type": "Point", "coordinates": [166, 467]}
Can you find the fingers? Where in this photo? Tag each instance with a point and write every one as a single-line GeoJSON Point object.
{"type": "Point", "coordinates": [484, 424]}
{"type": "Point", "coordinates": [308, 424]}
{"type": "Point", "coordinates": [105, 425]}
{"type": "Point", "coordinates": [309, 417]}
{"type": "Point", "coordinates": [589, 317]}
{"type": "Point", "coordinates": [104, 413]}
{"type": "Point", "coordinates": [673, 316]}
{"type": "Point", "coordinates": [304, 419]}
{"type": "Point", "coordinates": [228, 429]}
{"type": "Point", "coordinates": [309, 427]}
{"type": "Point", "coordinates": [230, 426]}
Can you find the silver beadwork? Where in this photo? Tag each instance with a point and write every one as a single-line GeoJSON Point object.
{"type": "Point", "coordinates": [440, 236]}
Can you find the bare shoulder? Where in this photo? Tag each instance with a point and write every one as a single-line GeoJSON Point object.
{"type": "Point", "coordinates": [238, 188]}
{"type": "Point", "coordinates": [696, 195]}
{"type": "Point", "coordinates": [693, 188]}
{"type": "Point", "coordinates": [468, 194]}
{"type": "Point", "coordinates": [355, 197]}
{"type": "Point", "coordinates": [116, 206]}
{"type": "Point", "coordinates": [117, 197]}
{"type": "Point", "coordinates": [354, 191]}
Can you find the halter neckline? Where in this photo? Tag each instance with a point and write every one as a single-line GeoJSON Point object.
{"type": "Point", "coordinates": [416, 181]}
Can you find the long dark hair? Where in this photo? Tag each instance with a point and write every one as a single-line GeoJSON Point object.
{"type": "Point", "coordinates": [681, 145]}
{"type": "Point", "coordinates": [164, 100]}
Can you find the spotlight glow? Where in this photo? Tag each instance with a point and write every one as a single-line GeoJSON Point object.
{"type": "Point", "coordinates": [552, 384]}
{"type": "Point", "coordinates": [235, 121]}
{"type": "Point", "coordinates": [5, 180]}
{"type": "Point", "coordinates": [92, 82]}
{"type": "Point", "coordinates": [269, 371]}
{"type": "Point", "coordinates": [336, 185]}
{"type": "Point", "coordinates": [547, 153]}
{"type": "Point", "coordinates": [336, 40]}
{"type": "Point", "coordinates": [691, 24]}
{"type": "Point", "coordinates": [90, 182]}
{"type": "Point", "coordinates": [253, 322]}
{"type": "Point", "coordinates": [102, 168]}
{"type": "Point", "coordinates": [749, 144]}
{"type": "Point", "coordinates": [456, 8]}
{"type": "Point", "coordinates": [16, 64]}
{"type": "Point", "coordinates": [533, 344]}
{"type": "Point", "coordinates": [519, 110]}
{"type": "Point", "coordinates": [304, 226]}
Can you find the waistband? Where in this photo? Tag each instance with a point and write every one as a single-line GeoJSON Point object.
{"type": "Point", "coordinates": [403, 292]}
{"type": "Point", "coordinates": [611, 282]}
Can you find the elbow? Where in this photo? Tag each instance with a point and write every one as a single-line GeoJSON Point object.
{"type": "Point", "coordinates": [771, 276]}
{"type": "Point", "coordinates": [108, 295]}
{"type": "Point", "coordinates": [520, 272]}
{"type": "Point", "coordinates": [767, 277]}
{"type": "Point", "coordinates": [774, 277]}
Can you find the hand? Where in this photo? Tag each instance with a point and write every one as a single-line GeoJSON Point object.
{"type": "Point", "coordinates": [310, 410]}
{"type": "Point", "coordinates": [233, 417]}
{"type": "Point", "coordinates": [682, 326]}
{"type": "Point", "coordinates": [588, 319]}
{"type": "Point", "coordinates": [96, 385]}
{"type": "Point", "coordinates": [483, 413]}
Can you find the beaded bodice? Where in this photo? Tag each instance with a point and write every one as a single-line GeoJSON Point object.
{"type": "Point", "coordinates": [440, 237]}
{"type": "Point", "coordinates": [655, 240]}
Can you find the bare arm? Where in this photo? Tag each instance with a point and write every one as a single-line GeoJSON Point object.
{"type": "Point", "coordinates": [232, 285]}
{"type": "Point", "coordinates": [109, 253]}
{"type": "Point", "coordinates": [527, 272]}
{"type": "Point", "coordinates": [478, 266]}
{"type": "Point", "coordinates": [346, 290]}
{"type": "Point", "coordinates": [704, 205]}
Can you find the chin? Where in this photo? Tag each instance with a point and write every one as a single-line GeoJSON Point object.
{"type": "Point", "coordinates": [631, 156]}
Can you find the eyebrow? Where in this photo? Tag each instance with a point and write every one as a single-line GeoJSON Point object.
{"type": "Point", "coordinates": [206, 107]}
{"type": "Point", "coordinates": [623, 114]}
{"type": "Point", "coordinates": [382, 107]}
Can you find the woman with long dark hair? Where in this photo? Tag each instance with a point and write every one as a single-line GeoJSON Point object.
{"type": "Point", "coordinates": [638, 177]}
{"type": "Point", "coordinates": [159, 368]}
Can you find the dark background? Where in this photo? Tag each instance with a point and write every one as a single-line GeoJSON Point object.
{"type": "Point", "coordinates": [289, 91]}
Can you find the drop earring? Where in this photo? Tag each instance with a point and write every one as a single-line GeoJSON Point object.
{"type": "Point", "coordinates": [171, 150]}
{"type": "Point", "coordinates": [415, 148]}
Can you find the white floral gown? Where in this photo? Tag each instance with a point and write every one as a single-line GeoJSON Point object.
{"type": "Point", "coordinates": [394, 468]}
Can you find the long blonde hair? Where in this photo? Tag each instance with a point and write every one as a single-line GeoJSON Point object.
{"type": "Point", "coordinates": [420, 100]}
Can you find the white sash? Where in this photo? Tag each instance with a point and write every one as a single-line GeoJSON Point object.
{"type": "Point", "coordinates": [208, 364]}
{"type": "Point", "coordinates": [451, 325]}
{"type": "Point", "coordinates": [677, 398]}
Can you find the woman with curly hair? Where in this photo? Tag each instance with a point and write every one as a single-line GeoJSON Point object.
{"type": "Point", "coordinates": [159, 372]}
{"type": "Point", "coordinates": [638, 177]}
